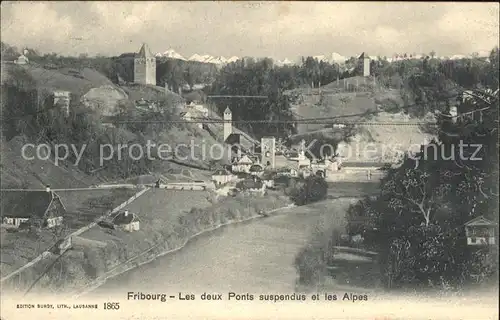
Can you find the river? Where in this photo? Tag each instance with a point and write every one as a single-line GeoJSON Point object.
{"type": "Point", "coordinates": [256, 256]}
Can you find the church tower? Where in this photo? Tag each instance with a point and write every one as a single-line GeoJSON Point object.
{"type": "Point", "coordinates": [145, 66]}
{"type": "Point", "coordinates": [228, 123]}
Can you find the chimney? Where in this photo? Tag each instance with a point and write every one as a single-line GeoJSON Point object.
{"type": "Point", "coordinates": [47, 188]}
{"type": "Point", "coordinates": [125, 213]}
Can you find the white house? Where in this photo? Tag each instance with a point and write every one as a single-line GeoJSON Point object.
{"type": "Point", "coordinates": [22, 59]}
{"type": "Point", "coordinates": [40, 208]}
{"type": "Point", "coordinates": [221, 177]}
{"type": "Point", "coordinates": [242, 165]}
{"type": "Point", "coordinates": [288, 172]}
{"type": "Point", "coordinates": [480, 231]}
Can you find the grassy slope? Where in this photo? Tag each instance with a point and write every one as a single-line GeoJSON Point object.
{"type": "Point", "coordinates": [166, 221]}
{"type": "Point", "coordinates": [19, 172]}
{"type": "Point", "coordinates": [82, 208]}
{"type": "Point", "coordinates": [371, 103]}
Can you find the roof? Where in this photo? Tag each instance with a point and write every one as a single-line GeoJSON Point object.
{"type": "Point", "coordinates": [233, 138]}
{"type": "Point", "coordinates": [121, 218]}
{"type": "Point", "coordinates": [144, 52]}
{"type": "Point", "coordinates": [244, 160]}
{"type": "Point", "coordinates": [25, 204]}
{"type": "Point", "coordinates": [479, 221]}
{"type": "Point", "coordinates": [227, 110]}
{"type": "Point", "coordinates": [363, 55]}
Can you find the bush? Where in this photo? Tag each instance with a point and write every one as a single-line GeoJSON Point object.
{"type": "Point", "coordinates": [311, 189]}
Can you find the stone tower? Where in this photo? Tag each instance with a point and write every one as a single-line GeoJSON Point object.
{"type": "Point", "coordinates": [228, 123]}
{"type": "Point", "coordinates": [145, 66]}
{"type": "Point", "coordinates": [364, 60]}
{"type": "Point", "coordinates": [268, 151]}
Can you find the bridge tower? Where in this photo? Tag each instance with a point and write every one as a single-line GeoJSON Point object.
{"type": "Point", "coordinates": [228, 123]}
{"type": "Point", "coordinates": [268, 151]}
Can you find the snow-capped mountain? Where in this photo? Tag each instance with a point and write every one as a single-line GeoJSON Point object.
{"type": "Point", "coordinates": [334, 57]}
{"type": "Point", "coordinates": [284, 62]}
{"type": "Point", "coordinates": [233, 59]}
{"type": "Point", "coordinates": [195, 57]}
{"type": "Point", "coordinates": [171, 54]}
{"type": "Point", "coordinates": [458, 57]}
{"type": "Point", "coordinates": [220, 60]}
{"type": "Point", "coordinates": [337, 58]}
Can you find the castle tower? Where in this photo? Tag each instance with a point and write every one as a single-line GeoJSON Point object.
{"type": "Point", "coordinates": [268, 151]}
{"type": "Point", "coordinates": [364, 60]}
{"type": "Point", "coordinates": [145, 66]}
{"type": "Point", "coordinates": [228, 123]}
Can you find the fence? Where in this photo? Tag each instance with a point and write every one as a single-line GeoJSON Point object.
{"type": "Point", "coordinates": [75, 233]}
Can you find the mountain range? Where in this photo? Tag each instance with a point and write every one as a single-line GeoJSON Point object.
{"type": "Point", "coordinates": [330, 58]}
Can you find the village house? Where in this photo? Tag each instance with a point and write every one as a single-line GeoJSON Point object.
{"type": "Point", "coordinates": [62, 101]}
{"type": "Point", "coordinates": [188, 116]}
{"type": "Point", "coordinates": [221, 177]}
{"type": "Point", "coordinates": [39, 208]}
{"type": "Point", "coordinates": [126, 221]}
{"type": "Point", "coordinates": [200, 108]}
{"type": "Point", "coordinates": [305, 171]}
{"type": "Point", "coordinates": [254, 185]}
{"type": "Point", "coordinates": [256, 170]}
{"type": "Point", "coordinates": [242, 164]}
{"type": "Point", "coordinates": [480, 232]}
{"type": "Point", "coordinates": [288, 172]}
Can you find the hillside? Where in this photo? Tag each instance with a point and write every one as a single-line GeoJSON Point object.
{"type": "Point", "coordinates": [17, 172]}
{"type": "Point", "coordinates": [360, 99]}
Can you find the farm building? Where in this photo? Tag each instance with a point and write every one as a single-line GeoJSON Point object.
{"type": "Point", "coordinates": [40, 208]}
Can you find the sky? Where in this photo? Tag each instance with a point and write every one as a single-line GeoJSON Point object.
{"type": "Point", "coordinates": [272, 29]}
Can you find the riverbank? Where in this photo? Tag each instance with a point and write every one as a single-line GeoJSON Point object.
{"type": "Point", "coordinates": [134, 264]}
{"type": "Point", "coordinates": [88, 266]}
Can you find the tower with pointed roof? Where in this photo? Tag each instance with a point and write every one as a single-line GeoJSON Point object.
{"type": "Point", "coordinates": [228, 123]}
{"type": "Point", "coordinates": [364, 60]}
{"type": "Point", "coordinates": [145, 66]}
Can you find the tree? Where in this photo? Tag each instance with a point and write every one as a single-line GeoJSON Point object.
{"type": "Point", "coordinates": [312, 189]}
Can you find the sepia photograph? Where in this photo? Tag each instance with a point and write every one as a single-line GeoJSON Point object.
{"type": "Point", "coordinates": [249, 160]}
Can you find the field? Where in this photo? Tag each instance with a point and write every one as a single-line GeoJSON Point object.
{"type": "Point", "coordinates": [18, 248]}
{"type": "Point", "coordinates": [158, 211]}
{"type": "Point", "coordinates": [75, 81]}
{"type": "Point", "coordinates": [83, 207]}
